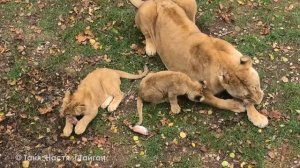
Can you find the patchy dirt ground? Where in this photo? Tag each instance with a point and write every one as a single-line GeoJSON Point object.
{"type": "Point", "coordinates": [48, 46]}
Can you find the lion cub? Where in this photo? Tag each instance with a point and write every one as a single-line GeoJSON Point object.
{"type": "Point", "coordinates": [100, 88]}
{"type": "Point", "coordinates": [166, 86]}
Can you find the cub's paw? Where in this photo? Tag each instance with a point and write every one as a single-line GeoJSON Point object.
{"type": "Point", "coordinates": [79, 129]}
{"type": "Point", "coordinates": [175, 109]}
{"type": "Point", "coordinates": [236, 106]}
{"type": "Point", "coordinates": [106, 102]}
{"type": "Point", "coordinates": [150, 49]}
{"type": "Point", "coordinates": [67, 131]}
{"type": "Point", "coordinates": [258, 119]}
{"type": "Point", "coordinates": [112, 107]}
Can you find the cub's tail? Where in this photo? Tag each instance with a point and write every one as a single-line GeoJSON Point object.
{"type": "Point", "coordinates": [133, 76]}
{"type": "Point", "coordinates": [139, 104]}
{"type": "Point", "coordinates": [137, 3]}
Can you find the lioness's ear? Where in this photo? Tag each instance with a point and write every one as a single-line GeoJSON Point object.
{"type": "Point", "coordinates": [224, 79]}
{"type": "Point", "coordinates": [245, 60]}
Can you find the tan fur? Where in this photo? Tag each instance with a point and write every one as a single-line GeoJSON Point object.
{"type": "Point", "coordinates": [99, 88]}
{"type": "Point", "coordinates": [170, 31]}
{"type": "Point", "coordinates": [166, 86]}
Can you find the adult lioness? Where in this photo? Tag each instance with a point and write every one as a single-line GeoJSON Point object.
{"type": "Point", "coordinates": [171, 32]}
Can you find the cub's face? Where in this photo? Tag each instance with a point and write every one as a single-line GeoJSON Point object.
{"type": "Point", "coordinates": [70, 107]}
{"type": "Point", "coordinates": [196, 93]}
{"type": "Point", "coordinates": [243, 82]}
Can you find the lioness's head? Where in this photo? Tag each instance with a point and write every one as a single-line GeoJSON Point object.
{"type": "Point", "coordinates": [70, 106]}
{"type": "Point", "coordinates": [242, 82]}
{"type": "Point", "coordinates": [196, 91]}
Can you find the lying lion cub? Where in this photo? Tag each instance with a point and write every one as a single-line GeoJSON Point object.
{"type": "Point", "coordinates": [166, 86]}
{"type": "Point", "coordinates": [100, 88]}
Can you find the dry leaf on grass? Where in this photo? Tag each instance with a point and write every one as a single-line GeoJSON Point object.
{"type": "Point", "coordinates": [44, 110]}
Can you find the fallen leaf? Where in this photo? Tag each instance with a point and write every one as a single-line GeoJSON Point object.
{"type": "Point", "coordinates": [135, 138]}
{"type": "Point", "coordinates": [106, 59]}
{"type": "Point", "coordinates": [99, 141]}
{"type": "Point", "coordinates": [271, 154]}
{"type": "Point", "coordinates": [45, 110]}
{"type": "Point", "coordinates": [285, 79]}
{"type": "Point", "coordinates": [114, 129]}
{"type": "Point", "coordinates": [20, 48]}
{"type": "Point", "coordinates": [275, 114]}
{"type": "Point", "coordinates": [225, 163]}
{"type": "Point", "coordinates": [81, 38]}
{"type": "Point", "coordinates": [2, 49]}
{"type": "Point", "coordinates": [284, 59]}
{"type": "Point", "coordinates": [175, 141]}
{"type": "Point", "coordinates": [89, 32]}
{"type": "Point", "coordinates": [25, 163]}
{"type": "Point", "coordinates": [232, 155]}
{"type": "Point", "coordinates": [193, 145]}
{"type": "Point", "coordinates": [2, 116]}
{"type": "Point", "coordinates": [182, 134]}
{"type": "Point", "coordinates": [164, 121]}
{"type": "Point", "coordinates": [265, 31]}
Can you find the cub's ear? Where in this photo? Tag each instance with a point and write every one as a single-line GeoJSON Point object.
{"type": "Point", "coordinates": [245, 60]}
{"type": "Point", "coordinates": [203, 83]}
{"type": "Point", "coordinates": [65, 103]}
{"type": "Point", "coordinates": [67, 97]}
{"type": "Point", "coordinates": [79, 108]}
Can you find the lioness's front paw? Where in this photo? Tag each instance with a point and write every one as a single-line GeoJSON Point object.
{"type": "Point", "coordinates": [258, 120]}
{"type": "Point", "coordinates": [175, 109]}
{"type": "Point", "coordinates": [79, 129]}
{"type": "Point", "coordinates": [236, 106]}
{"type": "Point", "coordinates": [150, 49]}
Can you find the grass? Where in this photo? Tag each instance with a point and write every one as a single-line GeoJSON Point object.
{"type": "Point", "coordinates": [220, 133]}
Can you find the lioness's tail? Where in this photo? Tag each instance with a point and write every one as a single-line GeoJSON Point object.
{"type": "Point", "coordinates": [139, 105]}
{"type": "Point", "coordinates": [132, 76]}
{"type": "Point", "coordinates": [137, 3]}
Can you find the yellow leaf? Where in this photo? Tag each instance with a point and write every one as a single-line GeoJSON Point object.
{"type": "Point", "coordinates": [81, 38]}
{"type": "Point", "coordinates": [193, 144]}
{"type": "Point", "coordinates": [182, 134]}
{"type": "Point", "coordinates": [170, 124]}
{"type": "Point", "coordinates": [92, 41]}
{"type": "Point", "coordinates": [45, 110]}
{"type": "Point", "coordinates": [114, 129]}
{"type": "Point", "coordinates": [25, 163]}
{"type": "Point", "coordinates": [135, 138]}
{"type": "Point", "coordinates": [175, 141]}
